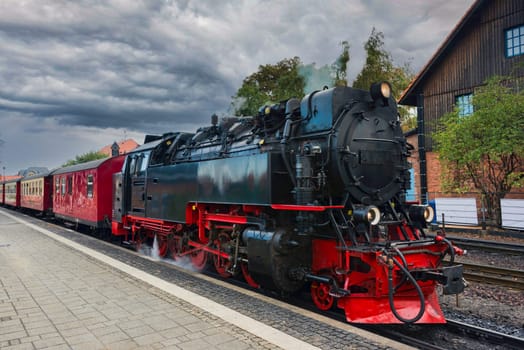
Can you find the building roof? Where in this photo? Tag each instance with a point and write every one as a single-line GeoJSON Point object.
{"type": "Point", "coordinates": [409, 96]}
{"type": "Point", "coordinates": [8, 178]}
{"type": "Point", "coordinates": [124, 146]}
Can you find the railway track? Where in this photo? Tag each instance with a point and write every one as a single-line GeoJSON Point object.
{"type": "Point", "coordinates": [494, 275]}
{"type": "Point", "coordinates": [491, 336]}
{"type": "Point", "coordinates": [489, 246]}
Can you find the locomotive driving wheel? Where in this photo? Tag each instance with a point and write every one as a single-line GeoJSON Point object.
{"type": "Point", "coordinates": [140, 238]}
{"type": "Point", "coordinates": [199, 259]}
{"type": "Point", "coordinates": [247, 276]}
{"type": "Point", "coordinates": [174, 245]}
{"type": "Point", "coordinates": [221, 264]}
{"type": "Point", "coordinates": [161, 241]}
{"type": "Point", "coordinates": [321, 297]}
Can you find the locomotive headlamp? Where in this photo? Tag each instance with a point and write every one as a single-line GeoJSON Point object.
{"type": "Point", "coordinates": [380, 90]}
{"type": "Point", "coordinates": [421, 213]}
{"type": "Point", "coordinates": [369, 214]}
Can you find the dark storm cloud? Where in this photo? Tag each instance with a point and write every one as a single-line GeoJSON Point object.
{"type": "Point", "coordinates": [107, 64]}
{"type": "Point", "coordinates": [94, 69]}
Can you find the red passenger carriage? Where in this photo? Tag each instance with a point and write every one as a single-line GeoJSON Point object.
{"type": "Point", "coordinates": [36, 193]}
{"type": "Point", "coordinates": [82, 193]}
{"type": "Point", "coordinates": [2, 193]}
{"type": "Point", "coordinates": [12, 192]}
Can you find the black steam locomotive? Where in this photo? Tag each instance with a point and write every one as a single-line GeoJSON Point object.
{"type": "Point", "coordinates": [307, 192]}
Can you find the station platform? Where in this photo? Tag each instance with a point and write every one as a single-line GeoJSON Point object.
{"type": "Point", "coordinates": [59, 292]}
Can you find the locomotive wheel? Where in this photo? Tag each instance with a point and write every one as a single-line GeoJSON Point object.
{"type": "Point", "coordinates": [174, 247]}
{"type": "Point", "coordinates": [140, 239]}
{"type": "Point", "coordinates": [321, 297]}
{"type": "Point", "coordinates": [199, 259]}
{"type": "Point", "coordinates": [247, 276]}
{"type": "Point", "coordinates": [221, 264]}
{"type": "Point", "coordinates": [162, 246]}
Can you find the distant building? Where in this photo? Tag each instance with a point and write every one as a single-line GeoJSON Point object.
{"type": "Point", "coordinates": [32, 171]}
{"type": "Point", "coordinates": [9, 177]}
{"type": "Point", "coordinates": [121, 147]}
{"type": "Point", "coordinates": [487, 41]}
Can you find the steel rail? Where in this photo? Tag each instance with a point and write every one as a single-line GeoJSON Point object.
{"type": "Point", "coordinates": [516, 249]}
{"type": "Point", "coordinates": [494, 275]}
{"type": "Point", "coordinates": [506, 340]}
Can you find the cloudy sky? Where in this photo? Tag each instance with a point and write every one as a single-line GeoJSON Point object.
{"type": "Point", "coordinates": [78, 75]}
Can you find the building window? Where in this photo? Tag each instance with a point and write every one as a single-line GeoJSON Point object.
{"type": "Point", "coordinates": [515, 41]}
{"type": "Point", "coordinates": [464, 104]}
{"type": "Point", "coordinates": [90, 186]}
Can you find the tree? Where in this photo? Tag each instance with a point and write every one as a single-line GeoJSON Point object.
{"type": "Point", "coordinates": [270, 84]}
{"type": "Point", "coordinates": [379, 67]}
{"type": "Point", "coordinates": [86, 157]}
{"type": "Point", "coordinates": [340, 66]}
{"type": "Point", "coordinates": [485, 150]}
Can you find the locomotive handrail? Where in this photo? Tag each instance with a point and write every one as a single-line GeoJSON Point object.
{"type": "Point", "coordinates": [374, 139]}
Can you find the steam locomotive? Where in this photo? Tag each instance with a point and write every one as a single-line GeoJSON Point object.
{"type": "Point", "coordinates": [308, 193]}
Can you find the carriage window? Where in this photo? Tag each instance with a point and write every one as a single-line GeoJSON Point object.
{"type": "Point", "coordinates": [90, 186]}
{"type": "Point", "coordinates": [57, 185]}
{"type": "Point", "coordinates": [69, 185]}
{"type": "Point", "coordinates": [63, 186]}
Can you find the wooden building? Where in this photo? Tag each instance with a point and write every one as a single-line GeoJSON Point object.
{"type": "Point", "coordinates": [487, 41]}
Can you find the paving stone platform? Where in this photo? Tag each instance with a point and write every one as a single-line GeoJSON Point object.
{"type": "Point", "coordinates": [55, 297]}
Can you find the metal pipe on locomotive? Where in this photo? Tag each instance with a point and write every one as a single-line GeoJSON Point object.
{"type": "Point", "coordinates": [308, 192]}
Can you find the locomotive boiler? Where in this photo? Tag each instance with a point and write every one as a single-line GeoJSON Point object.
{"type": "Point", "coordinates": [308, 193]}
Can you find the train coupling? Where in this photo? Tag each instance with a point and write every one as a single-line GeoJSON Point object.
{"type": "Point", "coordinates": [450, 277]}
{"type": "Point", "coordinates": [454, 280]}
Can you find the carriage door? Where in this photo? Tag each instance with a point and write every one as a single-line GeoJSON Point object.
{"type": "Point", "coordinates": [138, 174]}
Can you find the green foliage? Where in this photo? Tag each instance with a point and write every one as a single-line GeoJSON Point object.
{"type": "Point", "coordinates": [379, 67]}
{"type": "Point", "coordinates": [84, 158]}
{"type": "Point", "coordinates": [272, 83]}
{"type": "Point", "coordinates": [485, 150]}
{"type": "Point", "coordinates": [409, 120]}
{"type": "Point", "coordinates": [340, 66]}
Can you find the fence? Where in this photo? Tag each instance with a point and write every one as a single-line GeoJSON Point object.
{"type": "Point", "coordinates": [475, 209]}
